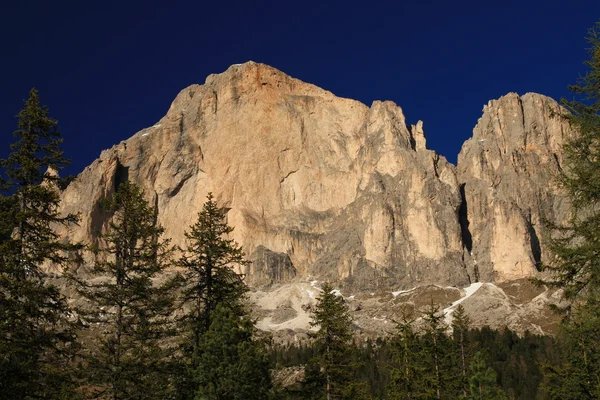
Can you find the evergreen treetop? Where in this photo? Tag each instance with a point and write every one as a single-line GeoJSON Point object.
{"type": "Point", "coordinates": [127, 310]}
{"type": "Point", "coordinates": [36, 334]}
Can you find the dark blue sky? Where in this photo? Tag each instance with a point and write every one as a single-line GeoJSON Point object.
{"type": "Point", "coordinates": [108, 69]}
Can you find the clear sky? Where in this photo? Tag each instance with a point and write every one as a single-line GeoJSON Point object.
{"type": "Point", "coordinates": [108, 69]}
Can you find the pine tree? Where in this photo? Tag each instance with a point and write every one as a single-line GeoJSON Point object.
{"type": "Point", "coordinates": [577, 265]}
{"type": "Point", "coordinates": [231, 365]}
{"type": "Point", "coordinates": [331, 341]}
{"type": "Point", "coordinates": [460, 331]}
{"type": "Point", "coordinates": [435, 344]}
{"type": "Point", "coordinates": [127, 309]}
{"type": "Point", "coordinates": [577, 269]}
{"type": "Point", "coordinates": [482, 381]}
{"type": "Point", "coordinates": [407, 369]}
{"type": "Point", "coordinates": [36, 336]}
{"type": "Point", "coordinates": [207, 279]}
{"type": "Point", "coordinates": [208, 273]}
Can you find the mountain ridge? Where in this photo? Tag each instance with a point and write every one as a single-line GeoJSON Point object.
{"type": "Point", "coordinates": [327, 187]}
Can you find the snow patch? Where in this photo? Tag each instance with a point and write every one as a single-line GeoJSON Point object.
{"type": "Point", "coordinates": [469, 291]}
{"type": "Point", "coordinates": [399, 292]}
{"type": "Point", "coordinates": [336, 292]}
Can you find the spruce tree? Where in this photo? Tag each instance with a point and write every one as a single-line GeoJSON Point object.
{"type": "Point", "coordinates": [332, 344]}
{"type": "Point", "coordinates": [207, 279]}
{"type": "Point", "coordinates": [576, 268]}
{"type": "Point", "coordinates": [127, 310]}
{"type": "Point", "coordinates": [208, 274]}
{"type": "Point", "coordinates": [231, 364]}
{"type": "Point", "coordinates": [460, 332]}
{"type": "Point", "coordinates": [406, 357]}
{"type": "Point", "coordinates": [482, 381]}
{"type": "Point", "coordinates": [36, 336]}
{"type": "Point", "coordinates": [436, 344]}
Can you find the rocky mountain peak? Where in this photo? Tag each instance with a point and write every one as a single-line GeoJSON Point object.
{"type": "Point", "coordinates": [321, 186]}
{"type": "Point", "coordinates": [508, 171]}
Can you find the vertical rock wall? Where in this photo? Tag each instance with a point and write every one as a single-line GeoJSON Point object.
{"type": "Point", "coordinates": [323, 187]}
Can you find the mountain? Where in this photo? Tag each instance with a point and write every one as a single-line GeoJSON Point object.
{"type": "Point", "coordinates": [507, 175]}
{"type": "Point", "coordinates": [323, 187]}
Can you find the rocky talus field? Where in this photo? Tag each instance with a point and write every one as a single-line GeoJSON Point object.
{"type": "Point", "coordinates": [321, 188]}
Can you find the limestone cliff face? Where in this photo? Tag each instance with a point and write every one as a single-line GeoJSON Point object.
{"type": "Point", "coordinates": [327, 188]}
{"type": "Point", "coordinates": [315, 185]}
{"type": "Point", "coordinates": [507, 172]}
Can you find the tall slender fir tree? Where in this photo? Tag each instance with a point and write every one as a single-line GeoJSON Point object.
{"type": "Point", "coordinates": [576, 268]}
{"type": "Point", "coordinates": [208, 279]}
{"type": "Point", "coordinates": [407, 368]}
{"type": "Point", "coordinates": [127, 310]}
{"type": "Point", "coordinates": [36, 336]}
{"type": "Point", "coordinates": [332, 343]}
{"type": "Point", "coordinates": [232, 365]}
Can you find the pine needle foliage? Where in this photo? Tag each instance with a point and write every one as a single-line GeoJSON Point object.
{"type": "Point", "coordinates": [231, 364]}
{"type": "Point", "coordinates": [437, 359]}
{"type": "Point", "coordinates": [36, 336]}
{"type": "Point", "coordinates": [460, 333]}
{"type": "Point", "coordinates": [207, 279]}
{"type": "Point", "coordinates": [127, 310]}
{"type": "Point", "coordinates": [208, 275]}
{"type": "Point", "coordinates": [407, 360]}
{"type": "Point", "coordinates": [332, 343]}
{"type": "Point", "coordinates": [482, 381]}
{"type": "Point", "coordinates": [576, 267]}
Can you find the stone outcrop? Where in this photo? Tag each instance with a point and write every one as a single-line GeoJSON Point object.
{"type": "Point", "coordinates": [507, 173]}
{"type": "Point", "coordinates": [326, 186]}
{"type": "Point", "coordinates": [321, 187]}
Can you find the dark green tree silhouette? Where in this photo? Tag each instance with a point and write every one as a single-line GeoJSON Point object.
{"type": "Point", "coordinates": [436, 345]}
{"type": "Point", "coordinates": [482, 381]}
{"type": "Point", "coordinates": [576, 268]}
{"type": "Point", "coordinates": [407, 368]}
{"type": "Point", "coordinates": [36, 336]}
{"type": "Point", "coordinates": [231, 364]}
{"type": "Point", "coordinates": [332, 344]}
{"type": "Point", "coordinates": [208, 264]}
{"type": "Point", "coordinates": [127, 310]}
{"type": "Point", "coordinates": [460, 333]}
{"type": "Point", "coordinates": [207, 279]}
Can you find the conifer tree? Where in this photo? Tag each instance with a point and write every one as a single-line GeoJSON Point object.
{"type": "Point", "coordinates": [231, 364]}
{"type": "Point", "coordinates": [482, 381]}
{"type": "Point", "coordinates": [207, 279]}
{"type": "Point", "coordinates": [577, 270]}
{"type": "Point", "coordinates": [208, 274]}
{"type": "Point", "coordinates": [435, 344]}
{"type": "Point", "coordinates": [332, 342]}
{"type": "Point", "coordinates": [406, 370]}
{"type": "Point", "coordinates": [460, 331]}
{"type": "Point", "coordinates": [36, 336]}
{"type": "Point", "coordinates": [127, 309]}
{"type": "Point", "coordinates": [577, 265]}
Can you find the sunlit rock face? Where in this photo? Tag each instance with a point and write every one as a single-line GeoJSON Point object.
{"type": "Point", "coordinates": [321, 187]}
{"type": "Point", "coordinates": [508, 171]}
